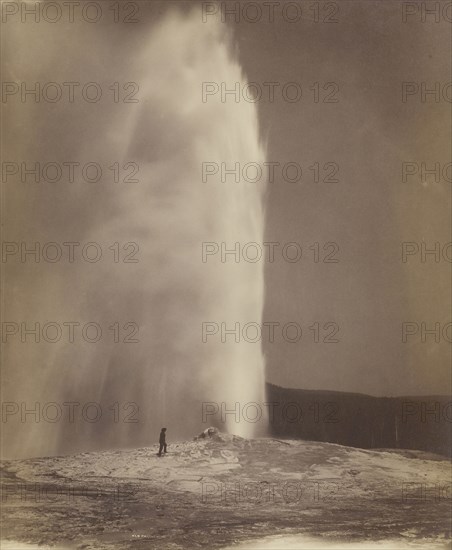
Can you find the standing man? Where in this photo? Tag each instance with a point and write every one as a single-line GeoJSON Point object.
{"type": "Point", "coordinates": [162, 441]}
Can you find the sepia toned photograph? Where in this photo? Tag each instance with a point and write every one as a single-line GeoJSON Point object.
{"type": "Point", "coordinates": [226, 249]}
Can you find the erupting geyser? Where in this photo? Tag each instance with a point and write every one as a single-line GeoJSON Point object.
{"type": "Point", "coordinates": [169, 292]}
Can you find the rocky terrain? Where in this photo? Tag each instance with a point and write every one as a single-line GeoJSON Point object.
{"type": "Point", "coordinates": [222, 491]}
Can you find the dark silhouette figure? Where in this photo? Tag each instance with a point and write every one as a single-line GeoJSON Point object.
{"type": "Point", "coordinates": [162, 441]}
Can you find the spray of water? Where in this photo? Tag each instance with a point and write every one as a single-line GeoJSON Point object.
{"type": "Point", "coordinates": [170, 292]}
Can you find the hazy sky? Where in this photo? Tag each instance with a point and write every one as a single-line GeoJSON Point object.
{"type": "Point", "coordinates": [369, 133]}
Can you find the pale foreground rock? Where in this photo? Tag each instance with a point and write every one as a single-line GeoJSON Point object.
{"type": "Point", "coordinates": [223, 491]}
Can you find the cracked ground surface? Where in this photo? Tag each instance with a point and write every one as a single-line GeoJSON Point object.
{"type": "Point", "coordinates": [221, 491]}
